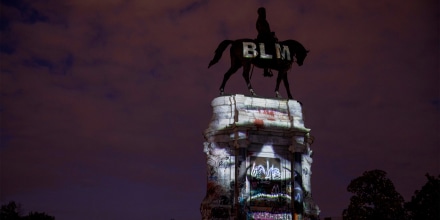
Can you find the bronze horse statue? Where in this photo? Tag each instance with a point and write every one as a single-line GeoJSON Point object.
{"type": "Point", "coordinates": [245, 52]}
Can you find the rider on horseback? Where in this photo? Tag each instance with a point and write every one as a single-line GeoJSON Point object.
{"type": "Point", "coordinates": [264, 33]}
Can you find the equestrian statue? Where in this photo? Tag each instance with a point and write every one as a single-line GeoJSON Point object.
{"type": "Point", "coordinates": [264, 52]}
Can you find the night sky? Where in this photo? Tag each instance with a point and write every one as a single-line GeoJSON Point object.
{"type": "Point", "coordinates": [103, 103]}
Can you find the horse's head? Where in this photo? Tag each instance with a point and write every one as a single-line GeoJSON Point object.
{"type": "Point", "coordinates": [301, 56]}
{"type": "Point", "coordinates": [299, 51]}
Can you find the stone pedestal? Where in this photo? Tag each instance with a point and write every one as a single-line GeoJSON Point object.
{"type": "Point", "coordinates": [258, 160]}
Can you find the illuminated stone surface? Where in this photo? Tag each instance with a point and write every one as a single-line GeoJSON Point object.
{"type": "Point", "coordinates": [272, 114]}
{"type": "Point", "coordinates": [258, 160]}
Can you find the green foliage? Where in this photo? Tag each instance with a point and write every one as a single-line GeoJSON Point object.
{"type": "Point", "coordinates": [425, 203]}
{"type": "Point", "coordinates": [11, 211]}
{"type": "Point", "coordinates": [375, 198]}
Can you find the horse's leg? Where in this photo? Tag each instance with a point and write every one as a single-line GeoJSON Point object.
{"type": "Point", "coordinates": [277, 87]}
{"type": "Point", "coordinates": [228, 74]}
{"type": "Point", "coordinates": [286, 84]}
{"type": "Point", "coordinates": [246, 70]}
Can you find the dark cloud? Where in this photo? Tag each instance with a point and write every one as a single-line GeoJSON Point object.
{"type": "Point", "coordinates": [28, 13]}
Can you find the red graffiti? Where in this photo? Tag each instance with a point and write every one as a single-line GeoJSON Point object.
{"type": "Point", "coordinates": [259, 123]}
{"type": "Point", "coordinates": [267, 112]}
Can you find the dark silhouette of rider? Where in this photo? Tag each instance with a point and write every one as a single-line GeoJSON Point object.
{"type": "Point", "coordinates": [262, 25]}
{"type": "Point", "coordinates": [264, 33]}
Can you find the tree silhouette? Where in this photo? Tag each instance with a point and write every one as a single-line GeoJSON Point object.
{"type": "Point", "coordinates": [38, 216]}
{"type": "Point", "coordinates": [425, 203]}
{"type": "Point", "coordinates": [11, 211]}
{"type": "Point", "coordinates": [374, 198]}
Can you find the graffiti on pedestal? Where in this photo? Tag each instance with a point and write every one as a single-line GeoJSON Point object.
{"type": "Point", "coordinates": [218, 200]}
{"type": "Point", "coordinates": [310, 208]}
{"type": "Point", "coordinates": [268, 191]}
{"type": "Point", "coordinates": [269, 171]}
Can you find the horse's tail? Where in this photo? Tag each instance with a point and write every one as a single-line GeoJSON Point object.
{"type": "Point", "coordinates": [219, 51]}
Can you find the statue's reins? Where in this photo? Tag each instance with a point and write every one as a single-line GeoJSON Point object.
{"type": "Point", "coordinates": [252, 71]}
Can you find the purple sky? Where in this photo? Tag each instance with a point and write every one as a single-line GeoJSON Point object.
{"type": "Point", "coordinates": [103, 103]}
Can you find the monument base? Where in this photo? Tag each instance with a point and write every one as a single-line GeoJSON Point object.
{"type": "Point", "coordinates": [258, 160]}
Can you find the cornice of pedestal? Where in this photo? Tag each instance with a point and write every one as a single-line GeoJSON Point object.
{"type": "Point", "coordinates": [277, 117]}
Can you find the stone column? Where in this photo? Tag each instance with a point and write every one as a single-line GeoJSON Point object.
{"type": "Point", "coordinates": [258, 160]}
